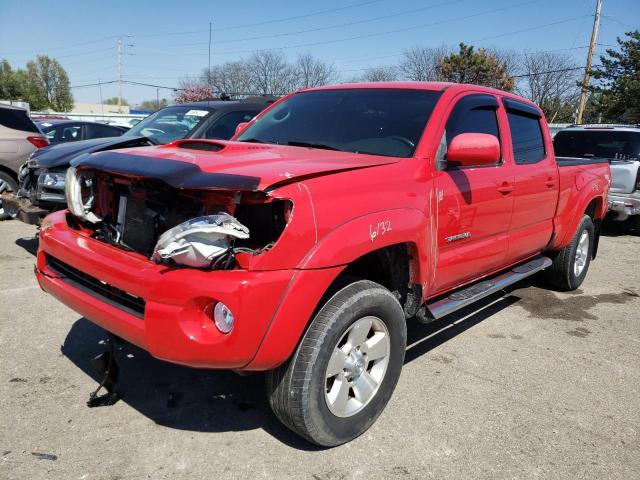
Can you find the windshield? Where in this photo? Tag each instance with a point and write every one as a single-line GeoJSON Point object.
{"type": "Point", "coordinates": [169, 124]}
{"type": "Point", "coordinates": [612, 144]}
{"type": "Point", "coordinates": [385, 122]}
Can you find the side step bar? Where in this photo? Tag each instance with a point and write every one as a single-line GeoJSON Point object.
{"type": "Point", "coordinates": [461, 298]}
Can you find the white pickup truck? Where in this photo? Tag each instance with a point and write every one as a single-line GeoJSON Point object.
{"type": "Point", "coordinates": [621, 145]}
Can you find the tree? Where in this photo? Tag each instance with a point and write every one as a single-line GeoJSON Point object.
{"type": "Point", "coordinates": [152, 105]}
{"type": "Point", "coordinates": [11, 87]}
{"type": "Point", "coordinates": [380, 74]}
{"type": "Point", "coordinates": [617, 81]}
{"type": "Point", "coordinates": [231, 78]}
{"type": "Point", "coordinates": [311, 72]}
{"type": "Point", "coordinates": [194, 93]}
{"type": "Point", "coordinates": [420, 64]}
{"type": "Point", "coordinates": [550, 80]}
{"type": "Point", "coordinates": [114, 101]}
{"type": "Point", "coordinates": [479, 67]}
{"type": "Point", "coordinates": [270, 73]}
{"type": "Point", "coordinates": [48, 85]}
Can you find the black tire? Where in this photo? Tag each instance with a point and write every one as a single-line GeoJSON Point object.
{"type": "Point", "coordinates": [635, 224]}
{"type": "Point", "coordinates": [7, 184]}
{"type": "Point", "coordinates": [296, 390]}
{"type": "Point", "coordinates": [562, 274]}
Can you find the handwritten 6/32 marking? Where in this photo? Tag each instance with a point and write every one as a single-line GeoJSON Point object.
{"type": "Point", "coordinates": [379, 229]}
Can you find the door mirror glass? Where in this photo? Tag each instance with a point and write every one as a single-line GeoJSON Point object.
{"type": "Point", "coordinates": [473, 150]}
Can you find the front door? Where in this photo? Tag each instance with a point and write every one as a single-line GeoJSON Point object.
{"type": "Point", "coordinates": [474, 205]}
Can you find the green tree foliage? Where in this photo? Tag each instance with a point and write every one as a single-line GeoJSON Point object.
{"type": "Point", "coordinates": [617, 82]}
{"type": "Point", "coordinates": [11, 87]}
{"type": "Point", "coordinates": [153, 105]}
{"type": "Point", "coordinates": [48, 85]}
{"type": "Point", "coordinates": [114, 101]}
{"type": "Point", "coordinates": [475, 66]}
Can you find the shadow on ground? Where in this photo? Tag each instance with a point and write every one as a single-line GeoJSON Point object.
{"type": "Point", "coordinates": [611, 228]}
{"type": "Point", "coordinates": [181, 397]}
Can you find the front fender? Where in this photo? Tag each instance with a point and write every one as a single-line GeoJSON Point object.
{"type": "Point", "coordinates": [361, 235]}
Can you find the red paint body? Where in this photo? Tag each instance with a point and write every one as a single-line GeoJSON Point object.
{"type": "Point", "coordinates": [345, 206]}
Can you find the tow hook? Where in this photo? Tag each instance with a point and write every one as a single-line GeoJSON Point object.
{"type": "Point", "coordinates": [108, 370]}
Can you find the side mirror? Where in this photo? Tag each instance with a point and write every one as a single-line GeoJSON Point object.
{"type": "Point", "coordinates": [240, 127]}
{"type": "Point", "coordinates": [473, 150]}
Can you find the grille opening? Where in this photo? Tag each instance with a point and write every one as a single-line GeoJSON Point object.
{"type": "Point", "coordinates": [96, 288]}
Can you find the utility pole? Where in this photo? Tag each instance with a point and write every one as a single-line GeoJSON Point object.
{"type": "Point", "coordinates": [209, 71]}
{"type": "Point", "coordinates": [587, 69]}
{"type": "Point", "coordinates": [120, 75]}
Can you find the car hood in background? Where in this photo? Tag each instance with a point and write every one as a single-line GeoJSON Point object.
{"type": "Point", "coordinates": [235, 166]}
{"type": "Point", "coordinates": [61, 154]}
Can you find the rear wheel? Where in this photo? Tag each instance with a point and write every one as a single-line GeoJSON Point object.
{"type": "Point", "coordinates": [570, 265]}
{"type": "Point", "coordinates": [7, 184]}
{"type": "Point", "coordinates": [345, 369]}
{"type": "Point", "coordinates": [635, 224]}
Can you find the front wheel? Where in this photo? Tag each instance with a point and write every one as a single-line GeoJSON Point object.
{"type": "Point", "coordinates": [570, 265]}
{"type": "Point", "coordinates": [345, 369]}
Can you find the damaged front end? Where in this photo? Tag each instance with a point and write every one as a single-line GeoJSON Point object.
{"type": "Point", "coordinates": [177, 227]}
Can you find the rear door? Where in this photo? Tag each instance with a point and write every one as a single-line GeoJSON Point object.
{"type": "Point", "coordinates": [473, 204]}
{"type": "Point", "coordinates": [536, 180]}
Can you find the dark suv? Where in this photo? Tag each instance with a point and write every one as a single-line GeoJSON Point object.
{"type": "Point", "coordinates": [42, 178]}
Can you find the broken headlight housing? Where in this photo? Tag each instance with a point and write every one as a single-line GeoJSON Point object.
{"type": "Point", "coordinates": [80, 194]}
{"type": "Point", "coordinates": [199, 242]}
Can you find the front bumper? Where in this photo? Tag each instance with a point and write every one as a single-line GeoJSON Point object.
{"type": "Point", "coordinates": [23, 209]}
{"type": "Point", "coordinates": [172, 324]}
{"type": "Point", "coordinates": [624, 204]}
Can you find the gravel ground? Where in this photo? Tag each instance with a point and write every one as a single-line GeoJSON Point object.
{"type": "Point", "coordinates": [533, 384]}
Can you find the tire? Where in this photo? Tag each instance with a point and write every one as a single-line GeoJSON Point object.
{"type": "Point", "coordinates": [304, 394]}
{"type": "Point", "coordinates": [635, 224]}
{"type": "Point", "coordinates": [570, 265]}
{"type": "Point", "coordinates": [7, 184]}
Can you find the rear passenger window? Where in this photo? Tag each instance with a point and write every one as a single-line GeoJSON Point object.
{"type": "Point", "coordinates": [17, 120]}
{"type": "Point", "coordinates": [527, 139]}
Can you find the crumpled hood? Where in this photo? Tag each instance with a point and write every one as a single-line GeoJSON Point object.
{"type": "Point", "coordinates": [61, 154]}
{"type": "Point", "coordinates": [235, 166]}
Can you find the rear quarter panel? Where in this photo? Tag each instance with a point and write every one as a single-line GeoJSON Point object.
{"type": "Point", "coordinates": [579, 186]}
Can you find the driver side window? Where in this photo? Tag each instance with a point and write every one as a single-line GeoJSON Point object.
{"type": "Point", "coordinates": [472, 114]}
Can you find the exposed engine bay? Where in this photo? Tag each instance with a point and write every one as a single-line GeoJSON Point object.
{"type": "Point", "coordinates": [178, 227]}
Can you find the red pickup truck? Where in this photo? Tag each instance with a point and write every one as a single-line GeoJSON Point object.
{"type": "Point", "coordinates": [302, 246]}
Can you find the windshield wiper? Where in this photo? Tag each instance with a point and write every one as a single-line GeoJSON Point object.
{"type": "Point", "coordinates": [252, 140]}
{"type": "Point", "coordinates": [312, 145]}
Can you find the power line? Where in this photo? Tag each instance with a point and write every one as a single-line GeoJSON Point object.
{"type": "Point", "coordinates": [266, 22]}
{"type": "Point", "coordinates": [329, 27]}
{"type": "Point", "coordinates": [387, 32]}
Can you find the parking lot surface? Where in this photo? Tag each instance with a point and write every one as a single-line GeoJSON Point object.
{"type": "Point", "coordinates": [530, 384]}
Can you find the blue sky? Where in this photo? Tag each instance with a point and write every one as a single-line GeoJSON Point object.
{"type": "Point", "coordinates": [170, 39]}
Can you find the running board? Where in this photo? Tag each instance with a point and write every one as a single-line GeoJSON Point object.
{"type": "Point", "coordinates": [461, 298]}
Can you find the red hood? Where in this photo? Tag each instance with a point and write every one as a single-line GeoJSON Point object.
{"type": "Point", "coordinates": [266, 165]}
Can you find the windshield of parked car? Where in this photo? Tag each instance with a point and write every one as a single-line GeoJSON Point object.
{"type": "Point", "coordinates": [385, 122]}
{"type": "Point", "coordinates": [612, 144]}
{"type": "Point", "coordinates": [169, 124]}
